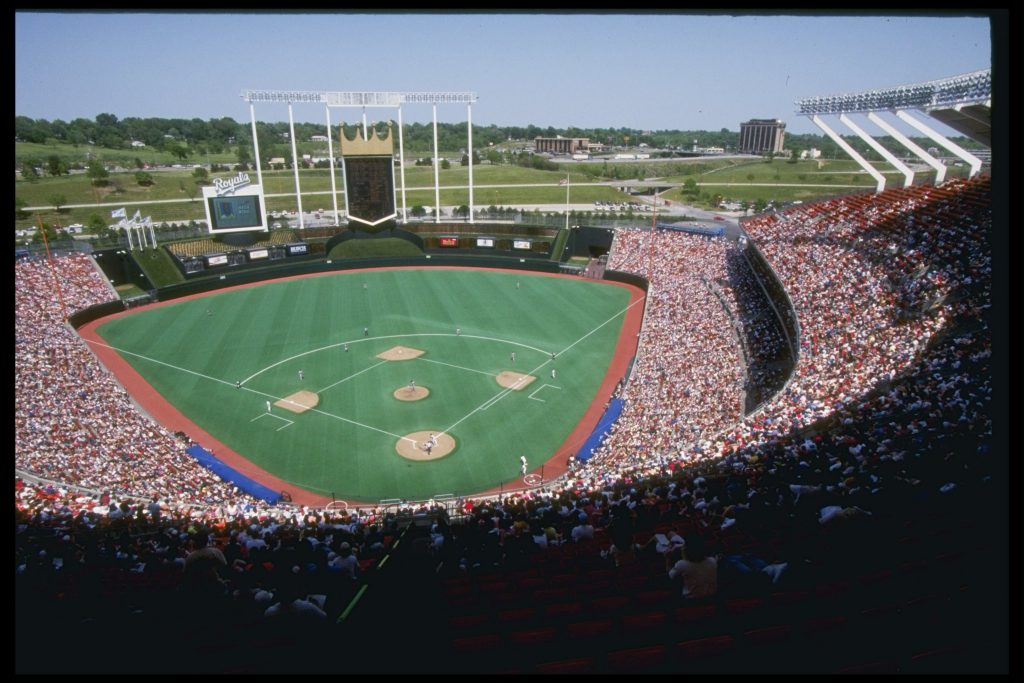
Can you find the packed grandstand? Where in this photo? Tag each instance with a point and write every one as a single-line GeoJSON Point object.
{"type": "Point", "coordinates": [835, 466]}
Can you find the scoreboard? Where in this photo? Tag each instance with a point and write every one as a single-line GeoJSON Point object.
{"type": "Point", "coordinates": [235, 205]}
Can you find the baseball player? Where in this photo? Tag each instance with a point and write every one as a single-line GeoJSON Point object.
{"type": "Point", "coordinates": [522, 464]}
{"type": "Point", "coordinates": [268, 406]}
{"type": "Point", "coordinates": [513, 356]}
{"type": "Point", "coordinates": [412, 385]}
{"type": "Point", "coordinates": [302, 375]}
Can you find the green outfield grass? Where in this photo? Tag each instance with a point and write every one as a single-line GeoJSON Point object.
{"type": "Point", "coordinates": [193, 352]}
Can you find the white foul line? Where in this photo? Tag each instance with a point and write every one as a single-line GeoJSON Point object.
{"type": "Point", "coordinates": [497, 397]}
{"type": "Point", "coordinates": [254, 391]}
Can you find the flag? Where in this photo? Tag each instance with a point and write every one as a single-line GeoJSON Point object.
{"type": "Point", "coordinates": [120, 213]}
{"type": "Point", "coordinates": [564, 181]}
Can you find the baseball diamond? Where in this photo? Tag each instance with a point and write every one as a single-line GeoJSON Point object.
{"type": "Point", "coordinates": [347, 421]}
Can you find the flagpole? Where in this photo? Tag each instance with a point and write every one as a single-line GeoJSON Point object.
{"type": "Point", "coordinates": [53, 270]}
{"type": "Point", "coordinates": [650, 242]}
{"type": "Point", "coordinates": [566, 201]}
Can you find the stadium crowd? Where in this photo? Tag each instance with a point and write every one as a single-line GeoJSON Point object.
{"type": "Point", "coordinates": [889, 404]}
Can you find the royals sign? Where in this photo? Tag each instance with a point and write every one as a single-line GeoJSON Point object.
{"type": "Point", "coordinates": [229, 185]}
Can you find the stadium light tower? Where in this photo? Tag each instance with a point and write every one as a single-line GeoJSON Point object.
{"type": "Point", "coordinates": [362, 100]}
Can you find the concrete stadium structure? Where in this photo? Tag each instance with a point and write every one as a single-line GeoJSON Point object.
{"type": "Point", "coordinates": [962, 102]}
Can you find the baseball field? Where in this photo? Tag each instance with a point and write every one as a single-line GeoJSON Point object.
{"type": "Point", "coordinates": [374, 384]}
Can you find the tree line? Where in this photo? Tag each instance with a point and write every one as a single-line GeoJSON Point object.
{"type": "Point", "coordinates": [184, 138]}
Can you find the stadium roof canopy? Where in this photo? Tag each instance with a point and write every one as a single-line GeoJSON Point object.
{"type": "Point", "coordinates": [964, 103]}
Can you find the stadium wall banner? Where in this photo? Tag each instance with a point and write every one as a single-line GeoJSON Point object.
{"type": "Point", "coordinates": [487, 242]}
{"type": "Point", "coordinates": [521, 244]}
{"type": "Point", "coordinates": [258, 254]}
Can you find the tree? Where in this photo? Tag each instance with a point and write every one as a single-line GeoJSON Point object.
{"type": "Point", "coordinates": [139, 163]}
{"type": "Point", "coordinates": [97, 173]}
{"type": "Point", "coordinates": [57, 200]}
{"type": "Point", "coordinates": [28, 171]}
{"type": "Point", "coordinates": [418, 211]}
{"type": "Point", "coordinates": [55, 165]}
{"type": "Point", "coordinates": [794, 155]}
{"type": "Point", "coordinates": [180, 151]}
{"type": "Point", "coordinates": [445, 164]}
{"type": "Point", "coordinates": [690, 186]}
{"type": "Point", "coordinates": [243, 155]}
{"type": "Point", "coordinates": [143, 178]}
{"type": "Point", "coordinates": [201, 175]}
{"type": "Point", "coordinates": [96, 225]}
{"type": "Point", "coordinates": [462, 210]}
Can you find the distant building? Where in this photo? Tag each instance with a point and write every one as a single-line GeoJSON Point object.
{"type": "Point", "coordinates": [811, 153]}
{"type": "Point", "coordinates": [318, 138]}
{"type": "Point", "coordinates": [138, 143]}
{"type": "Point", "coordinates": [714, 150]}
{"type": "Point", "coordinates": [760, 136]}
{"type": "Point", "coordinates": [561, 145]}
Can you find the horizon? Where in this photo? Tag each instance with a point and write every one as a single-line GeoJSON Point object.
{"type": "Point", "coordinates": [681, 72]}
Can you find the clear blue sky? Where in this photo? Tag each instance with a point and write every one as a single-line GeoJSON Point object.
{"type": "Point", "coordinates": [654, 71]}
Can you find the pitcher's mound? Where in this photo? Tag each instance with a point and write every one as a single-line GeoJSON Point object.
{"type": "Point", "coordinates": [414, 446]}
{"type": "Point", "coordinates": [400, 353]}
{"type": "Point", "coordinates": [516, 381]}
{"type": "Point", "coordinates": [299, 402]}
{"type": "Point", "coordinates": [411, 394]}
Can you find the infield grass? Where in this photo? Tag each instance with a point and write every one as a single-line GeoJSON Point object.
{"type": "Point", "coordinates": [194, 351]}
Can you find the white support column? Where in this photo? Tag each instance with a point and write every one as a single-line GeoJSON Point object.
{"type": "Point", "coordinates": [366, 133]}
{"type": "Point", "coordinates": [879, 178]}
{"type": "Point", "coordinates": [330, 154]}
{"type": "Point", "coordinates": [437, 179]}
{"type": "Point", "coordinates": [256, 144]}
{"type": "Point", "coordinates": [152, 233]}
{"type": "Point", "coordinates": [401, 164]}
{"type": "Point", "coordinates": [469, 131]}
{"type": "Point", "coordinates": [940, 169]}
{"type": "Point", "coordinates": [295, 166]}
{"type": "Point", "coordinates": [956, 149]}
{"type": "Point", "coordinates": [128, 232]}
{"type": "Point", "coordinates": [394, 187]}
{"type": "Point", "coordinates": [908, 175]}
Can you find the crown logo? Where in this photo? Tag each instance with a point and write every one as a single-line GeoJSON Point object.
{"type": "Point", "coordinates": [375, 146]}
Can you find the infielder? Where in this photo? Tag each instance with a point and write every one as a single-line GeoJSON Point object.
{"type": "Point", "coordinates": [522, 463]}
